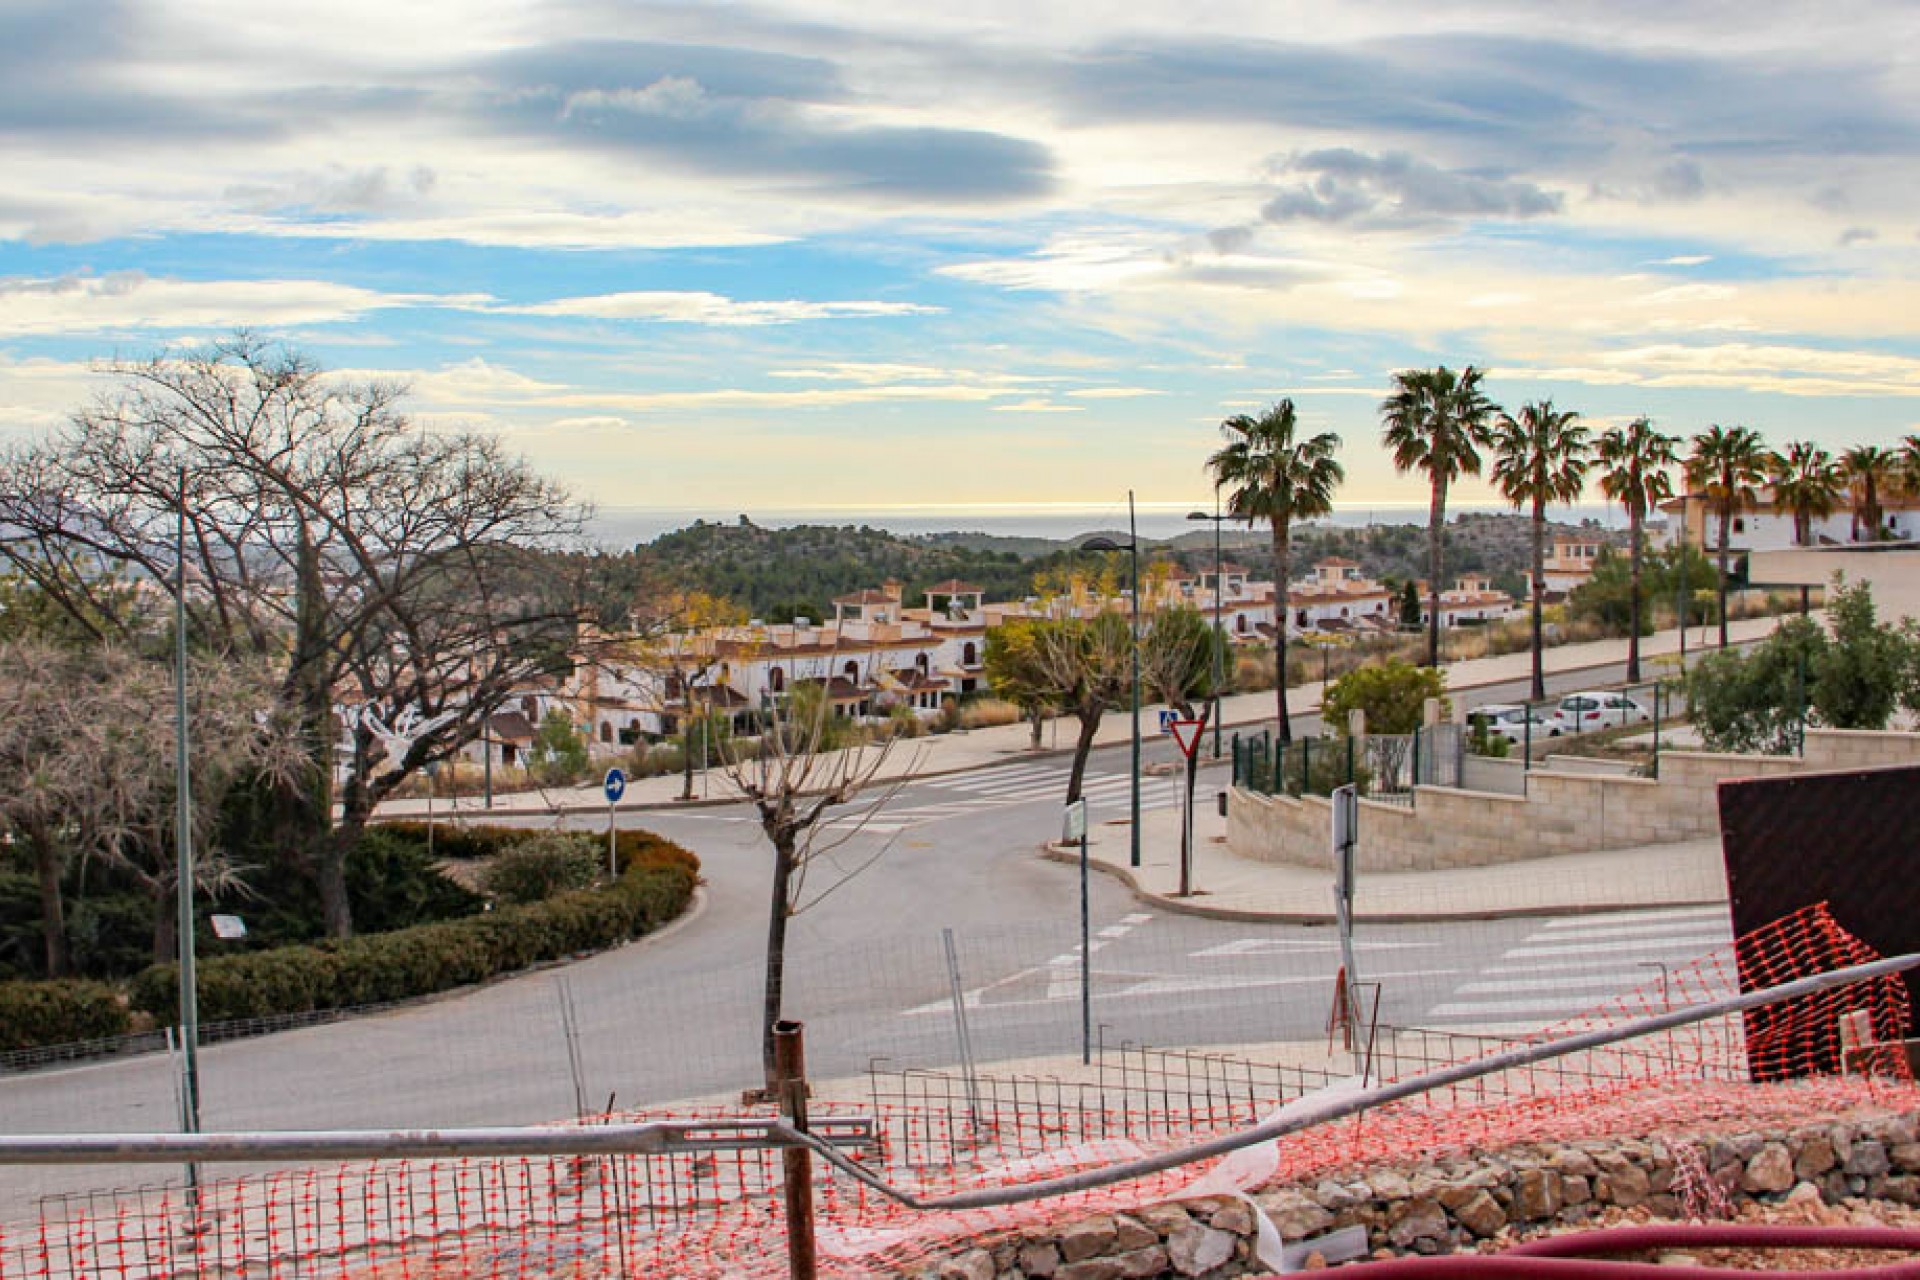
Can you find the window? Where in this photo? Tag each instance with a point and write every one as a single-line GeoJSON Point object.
{"type": "Point", "coordinates": [852, 672]}
{"type": "Point", "coordinates": [1739, 524]}
{"type": "Point", "coordinates": [606, 732]}
{"type": "Point", "coordinates": [777, 680]}
{"type": "Point", "coordinates": [969, 655]}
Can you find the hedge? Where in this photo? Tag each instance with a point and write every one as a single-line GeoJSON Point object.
{"type": "Point", "coordinates": [656, 883]}
{"type": "Point", "coordinates": [58, 1012]}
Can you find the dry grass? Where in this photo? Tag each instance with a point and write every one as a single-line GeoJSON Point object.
{"type": "Point", "coordinates": [984, 713]}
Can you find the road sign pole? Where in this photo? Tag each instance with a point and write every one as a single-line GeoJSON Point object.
{"type": "Point", "coordinates": [1346, 819]}
{"type": "Point", "coordinates": [614, 787]}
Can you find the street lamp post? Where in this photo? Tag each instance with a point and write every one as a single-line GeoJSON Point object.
{"type": "Point", "coordinates": [1132, 548]}
{"type": "Point", "coordinates": [1219, 632]}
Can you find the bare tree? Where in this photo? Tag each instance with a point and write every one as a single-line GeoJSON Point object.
{"type": "Point", "coordinates": [376, 564]}
{"type": "Point", "coordinates": [794, 780]}
{"type": "Point", "coordinates": [87, 768]}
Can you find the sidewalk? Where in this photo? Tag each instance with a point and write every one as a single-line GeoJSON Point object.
{"type": "Point", "coordinates": [1242, 888]}
{"type": "Point", "coordinates": [1229, 887]}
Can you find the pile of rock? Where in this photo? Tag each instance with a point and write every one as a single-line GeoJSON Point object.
{"type": "Point", "coordinates": [1451, 1204]}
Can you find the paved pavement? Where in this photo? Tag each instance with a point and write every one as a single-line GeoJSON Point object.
{"type": "Point", "coordinates": [1240, 888]}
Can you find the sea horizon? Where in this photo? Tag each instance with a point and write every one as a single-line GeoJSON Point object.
{"type": "Point", "coordinates": [622, 527]}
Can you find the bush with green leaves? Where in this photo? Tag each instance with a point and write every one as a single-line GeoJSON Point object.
{"type": "Point", "coordinates": [60, 1012]}
{"type": "Point", "coordinates": [541, 866]}
{"type": "Point", "coordinates": [656, 883]}
{"type": "Point", "coordinates": [1393, 694]}
{"type": "Point", "coordinates": [559, 752]}
{"type": "Point", "coordinates": [1851, 678]}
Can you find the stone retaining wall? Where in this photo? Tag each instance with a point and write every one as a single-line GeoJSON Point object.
{"type": "Point", "coordinates": [1441, 1206]}
{"type": "Point", "coordinates": [1561, 812]}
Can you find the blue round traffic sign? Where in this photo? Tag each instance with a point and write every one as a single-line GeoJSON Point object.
{"type": "Point", "coordinates": [615, 785]}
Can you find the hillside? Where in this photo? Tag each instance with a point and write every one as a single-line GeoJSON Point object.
{"type": "Point", "coordinates": [779, 574]}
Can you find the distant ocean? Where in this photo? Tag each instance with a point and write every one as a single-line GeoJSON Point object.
{"type": "Point", "coordinates": [620, 527]}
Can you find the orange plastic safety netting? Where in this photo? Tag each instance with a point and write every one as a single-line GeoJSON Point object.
{"type": "Point", "coordinates": [718, 1213]}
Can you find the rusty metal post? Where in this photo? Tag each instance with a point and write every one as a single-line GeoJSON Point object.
{"type": "Point", "coordinates": [790, 1071]}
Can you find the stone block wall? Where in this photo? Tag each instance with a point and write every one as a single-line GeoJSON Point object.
{"type": "Point", "coordinates": [1440, 1206]}
{"type": "Point", "coordinates": [1561, 812]}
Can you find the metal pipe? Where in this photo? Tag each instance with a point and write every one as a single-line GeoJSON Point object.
{"type": "Point", "coordinates": [660, 1137]}
{"type": "Point", "coordinates": [1308, 1113]}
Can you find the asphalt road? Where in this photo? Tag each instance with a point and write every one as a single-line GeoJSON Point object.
{"type": "Point", "coordinates": [673, 1017]}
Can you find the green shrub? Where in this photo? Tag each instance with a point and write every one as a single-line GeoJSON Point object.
{"type": "Point", "coordinates": [42, 1013]}
{"type": "Point", "coordinates": [657, 881]}
{"type": "Point", "coordinates": [538, 868]}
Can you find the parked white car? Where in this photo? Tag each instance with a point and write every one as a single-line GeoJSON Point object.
{"type": "Point", "coordinates": [1509, 720]}
{"type": "Point", "coordinates": [1598, 709]}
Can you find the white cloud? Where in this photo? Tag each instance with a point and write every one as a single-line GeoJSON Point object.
{"type": "Point", "coordinates": [129, 300]}
{"type": "Point", "coordinates": [713, 309]}
{"type": "Point", "coordinates": [1038, 406]}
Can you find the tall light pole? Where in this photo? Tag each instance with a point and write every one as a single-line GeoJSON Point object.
{"type": "Point", "coordinates": [183, 852]}
{"type": "Point", "coordinates": [1132, 548]}
{"type": "Point", "coordinates": [1219, 589]}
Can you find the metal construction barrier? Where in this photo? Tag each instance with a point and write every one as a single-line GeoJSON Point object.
{"type": "Point", "coordinates": [933, 1162]}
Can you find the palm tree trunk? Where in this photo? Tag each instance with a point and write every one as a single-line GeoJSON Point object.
{"type": "Point", "coordinates": [1633, 589]}
{"type": "Point", "coordinates": [1282, 571]}
{"type": "Point", "coordinates": [1726, 535]}
{"type": "Point", "coordinates": [1539, 594]}
{"type": "Point", "coordinates": [1436, 538]}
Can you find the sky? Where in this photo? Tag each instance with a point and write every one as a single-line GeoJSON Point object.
{"type": "Point", "coordinates": [837, 254]}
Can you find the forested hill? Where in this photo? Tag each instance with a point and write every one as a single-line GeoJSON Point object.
{"type": "Point", "coordinates": [781, 574]}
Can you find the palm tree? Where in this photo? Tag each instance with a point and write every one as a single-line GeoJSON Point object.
{"type": "Point", "coordinates": [1274, 475]}
{"type": "Point", "coordinates": [1436, 421]}
{"type": "Point", "coordinates": [1869, 467]}
{"type": "Point", "coordinates": [1726, 464]}
{"type": "Point", "coordinates": [1541, 456]}
{"type": "Point", "coordinates": [1634, 460]}
{"type": "Point", "coordinates": [1807, 483]}
{"type": "Point", "coordinates": [1910, 466]}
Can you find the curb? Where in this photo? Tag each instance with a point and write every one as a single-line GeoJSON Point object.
{"type": "Point", "coordinates": [1055, 852]}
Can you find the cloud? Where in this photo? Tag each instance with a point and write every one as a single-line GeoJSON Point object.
{"type": "Point", "coordinates": [1765, 368]}
{"type": "Point", "coordinates": [713, 309]}
{"type": "Point", "coordinates": [335, 190]}
{"type": "Point", "coordinates": [1038, 406]}
{"type": "Point", "coordinates": [132, 300]}
{"type": "Point", "coordinates": [1395, 191]}
{"type": "Point", "coordinates": [771, 118]}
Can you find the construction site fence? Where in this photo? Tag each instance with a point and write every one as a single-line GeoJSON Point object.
{"type": "Point", "coordinates": [717, 1212]}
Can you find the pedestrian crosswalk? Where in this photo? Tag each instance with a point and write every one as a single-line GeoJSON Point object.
{"type": "Point", "coordinates": [1568, 965]}
{"type": "Point", "coordinates": [1018, 784]}
{"type": "Point", "coordinates": [981, 790]}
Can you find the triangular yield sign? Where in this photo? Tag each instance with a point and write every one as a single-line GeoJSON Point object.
{"type": "Point", "coordinates": [1186, 735]}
